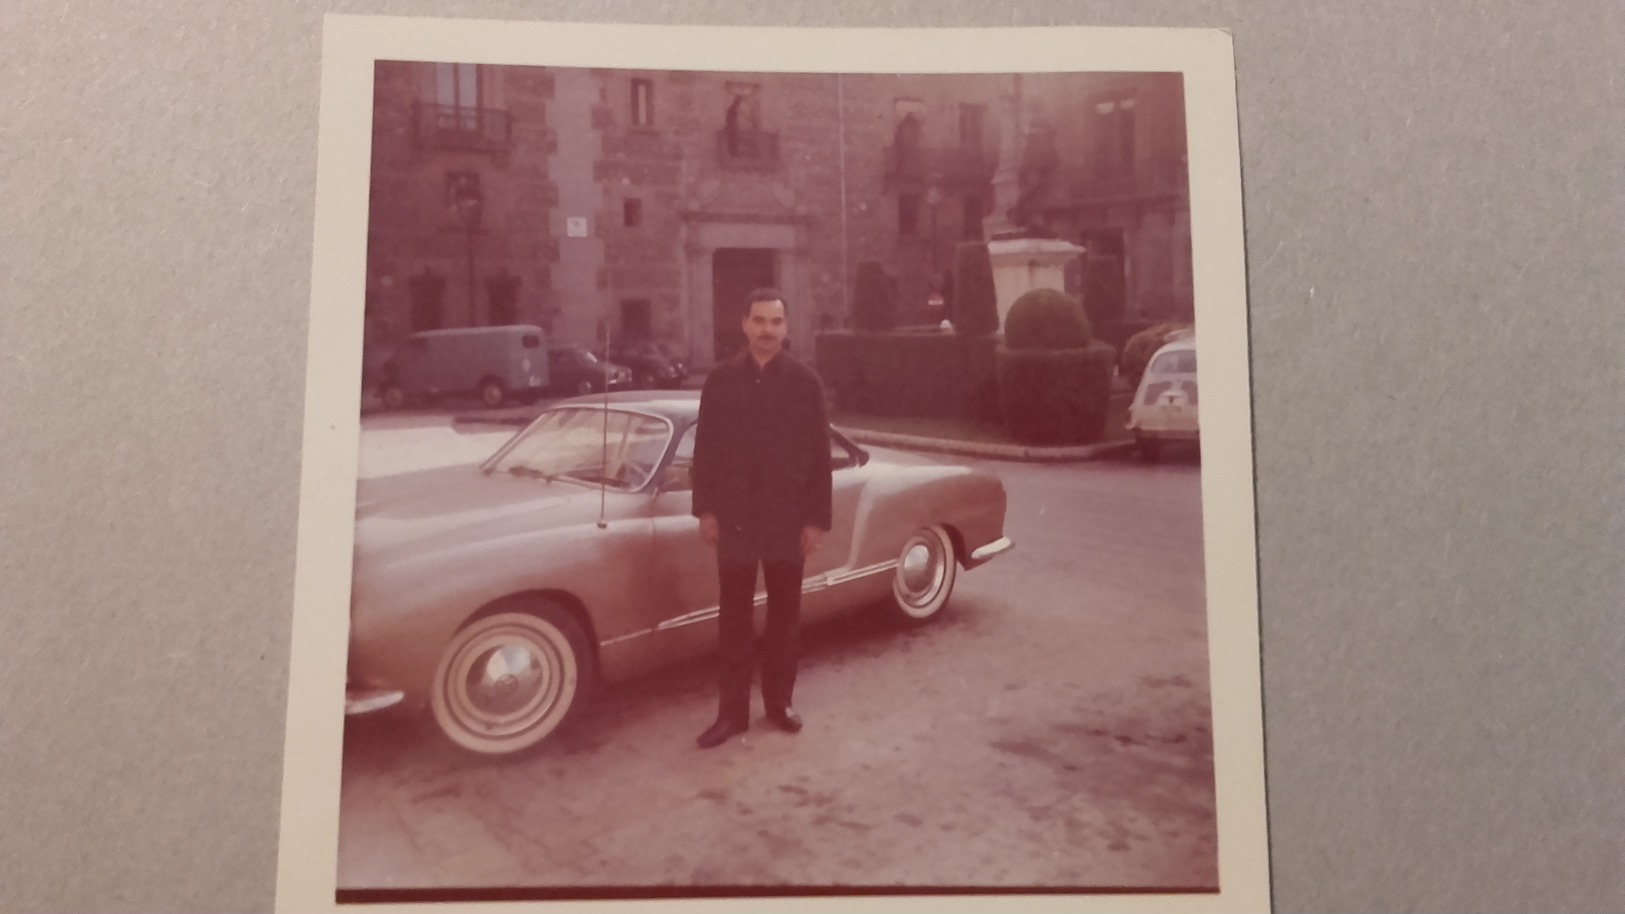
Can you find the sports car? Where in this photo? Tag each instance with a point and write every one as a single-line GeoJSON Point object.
{"type": "Point", "coordinates": [496, 596]}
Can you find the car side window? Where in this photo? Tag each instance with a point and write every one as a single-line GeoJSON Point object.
{"type": "Point", "coordinates": [685, 447]}
{"type": "Point", "coordinates": [1178, 362]}
{"type": "Point", "coordinates": [677, 477]}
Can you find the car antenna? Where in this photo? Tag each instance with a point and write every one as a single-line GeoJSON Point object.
{"type": "Point", "coordinates": [603, 479]}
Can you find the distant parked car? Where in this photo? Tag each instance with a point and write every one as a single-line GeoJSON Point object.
{"type": "Point", "coordinates": [575, 371]}
{"type": "Point", "coordinates": [1164, 406]}
{"type": "Point", "coordinates": [652, 364]}
{"type": "Point", "coordinates": [493, 363]}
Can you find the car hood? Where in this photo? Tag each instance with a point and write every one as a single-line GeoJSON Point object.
{"type": "Point", "coordinates": [444, 508]}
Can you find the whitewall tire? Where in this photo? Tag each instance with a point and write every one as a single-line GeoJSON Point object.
{"type": "Point", "coordinates": [925, 575]}
{"type": "Point", "coordinates": [508, 680]}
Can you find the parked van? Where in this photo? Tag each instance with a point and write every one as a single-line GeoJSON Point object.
{"type": "Point", "coordinates": [492, 363]}
{"type": "Point", "coordinates": [1164, 407]}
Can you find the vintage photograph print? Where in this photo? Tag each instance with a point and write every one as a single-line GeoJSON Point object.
{"type": "Point", "coordinates": [767, 463]}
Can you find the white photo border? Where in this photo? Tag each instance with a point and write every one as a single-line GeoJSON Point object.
{"type": "Point", "coordinates": [308, 857]}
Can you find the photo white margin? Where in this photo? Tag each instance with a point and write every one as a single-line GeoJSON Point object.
{"type": "Point", "coordinates": [308, 844]}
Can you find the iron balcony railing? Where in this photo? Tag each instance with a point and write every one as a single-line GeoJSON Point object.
{"type": "Point", "coordinates": [457, 127]}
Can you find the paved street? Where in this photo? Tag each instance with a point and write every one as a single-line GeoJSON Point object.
{"type": "Point", "coordinates": [1051, 728]}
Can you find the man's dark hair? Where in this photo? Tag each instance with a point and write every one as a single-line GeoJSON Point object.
{"type": "Point", "coordinates": [766, 293]}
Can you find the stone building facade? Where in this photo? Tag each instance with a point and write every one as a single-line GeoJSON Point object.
{"type": "Point", "coordinates": [647, 204]}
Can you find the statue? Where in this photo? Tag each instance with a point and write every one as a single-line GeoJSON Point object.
{"type": "Point", "coordinates": [1036, 179]}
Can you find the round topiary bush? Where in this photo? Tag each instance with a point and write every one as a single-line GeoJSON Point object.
{"type": "Point", "coordinates": [1055, 396]}
{"type": "Point", "coordinates": [1140, 347]}
{"type": "Point", "coordinates": [1047, 319]}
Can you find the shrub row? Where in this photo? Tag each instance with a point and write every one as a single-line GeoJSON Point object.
{"type": "Point", "coordinates": [941, 375]}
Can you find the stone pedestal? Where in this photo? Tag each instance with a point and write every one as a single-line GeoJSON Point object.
{"type": "Point", "coordinates": [1023, 264]}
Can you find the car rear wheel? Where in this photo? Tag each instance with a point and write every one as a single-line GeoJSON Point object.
{"type": "Point", "coordinates": [393, 396]}
{"type": "Point", "coordinates": [583, 387]}
{"type": "Point", "coordinates": [925, 575]}
{"type": "Point", "coordinates": [508, 680]}
{"type": "Point", "coordinates": [492, 392]}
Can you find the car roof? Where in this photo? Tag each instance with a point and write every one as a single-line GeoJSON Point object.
{"type": "Point", "coordinates": [1185, 342]}
{"type": "Point", "coordinates": [676, 405]}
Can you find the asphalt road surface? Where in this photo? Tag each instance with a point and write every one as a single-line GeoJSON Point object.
{"type": "Point", "coordinates": [1051, 729]}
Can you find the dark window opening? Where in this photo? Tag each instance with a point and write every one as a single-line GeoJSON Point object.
{"type": "Point", "coordinates": [908, 214]}
{"type": "Point", "coordinates": [643, 103]}
{"type": "Point", "coordinates": [970, 126]}
{"type": "Point", "coordinates": [632, 213]}
{"type": "Point", "coordinates": [464, 198]}
{"type": "Point", "coordinates": [1112, 126]}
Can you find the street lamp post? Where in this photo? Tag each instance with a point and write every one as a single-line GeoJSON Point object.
{"type": "Point", "coordinates": [933, 196]}
{"type": "Point", "coordinates": [467, 205]}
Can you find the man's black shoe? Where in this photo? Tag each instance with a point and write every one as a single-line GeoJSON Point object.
{"type": "Point", "coordinates": [721, 732]}
{"type": "Point", "coordinates": [785, 719]}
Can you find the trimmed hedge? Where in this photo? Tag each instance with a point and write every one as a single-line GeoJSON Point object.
{"type": "Point", "coordinates": [975, 303]}
{"type": "Point", "coordinates": [1046, 319]}
{"type": "Point", "coordinates": [1055, 396]}
{"type": "Point", "coordinates": [1140, 347]}
{"type": "Point", "coordinates": [932, 374]}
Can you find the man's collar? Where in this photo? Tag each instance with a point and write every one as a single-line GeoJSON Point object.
{"type": "Point", "coordinates": [774, 364]}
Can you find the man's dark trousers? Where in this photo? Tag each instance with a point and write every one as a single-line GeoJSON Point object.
{"type": "Point", "coordinates": [780, 637]}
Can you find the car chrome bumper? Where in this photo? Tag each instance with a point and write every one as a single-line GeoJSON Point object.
{"type": "Point", "coordinates": [366, 701]}
{"type": "Point", "coordinates": [983, 554]}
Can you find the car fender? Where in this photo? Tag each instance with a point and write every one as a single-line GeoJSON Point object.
{"type": "Point", "coordinates": [402, 619]}
{"type": "Point", "coordinates": [899, 501]}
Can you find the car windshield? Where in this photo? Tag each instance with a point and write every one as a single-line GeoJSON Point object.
{"type": "Point", "coordinates": [614, 447]}
{"type": "Point", "coordinates": [1180, 361]}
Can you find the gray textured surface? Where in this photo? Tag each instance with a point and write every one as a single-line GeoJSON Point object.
{"type": "Point", "coordinates": [1435, 217]}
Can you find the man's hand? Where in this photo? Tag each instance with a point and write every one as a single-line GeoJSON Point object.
{"type": "Point", "coordinates": [709, 530]}
{"type": "Point", "coordinates": [811, 537]}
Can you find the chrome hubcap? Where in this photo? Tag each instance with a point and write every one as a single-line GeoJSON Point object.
{"type": "Point", "coordinates": [504, 680]}
{"type": "Point", "coordinates": [503, 683]}
{"type": "Point", "coordinates": [917, 568]}
{"type": "Point", "coordinates": [920, 573]}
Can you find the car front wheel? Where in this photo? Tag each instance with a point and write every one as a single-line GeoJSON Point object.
{"type": "Point", "coordinates": [925, 575]}
{"type": "Point", "coordinates": [508, 680]}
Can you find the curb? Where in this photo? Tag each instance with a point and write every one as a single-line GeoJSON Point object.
{"type": "Point", "coordinates": [1067, 454]}
{"type": "Point", "coordinates": [503, 417]}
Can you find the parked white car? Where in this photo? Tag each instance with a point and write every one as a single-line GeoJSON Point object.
{"type": "Point", "coordinates": [1164, 406]}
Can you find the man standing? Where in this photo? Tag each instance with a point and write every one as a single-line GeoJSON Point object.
{"type": "Point", "coordinates": [762, 493]}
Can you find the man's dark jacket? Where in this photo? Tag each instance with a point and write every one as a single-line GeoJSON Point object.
{"type": "Point", "coordinates": [762, 450]}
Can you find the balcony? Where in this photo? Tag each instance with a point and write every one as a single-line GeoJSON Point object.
{"type": "Point", "coordinates": [748, 150]}
{"type": "Point", "coordinates": [454, 127]}
{"type": "Point", "coordinates": [949, 165]}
